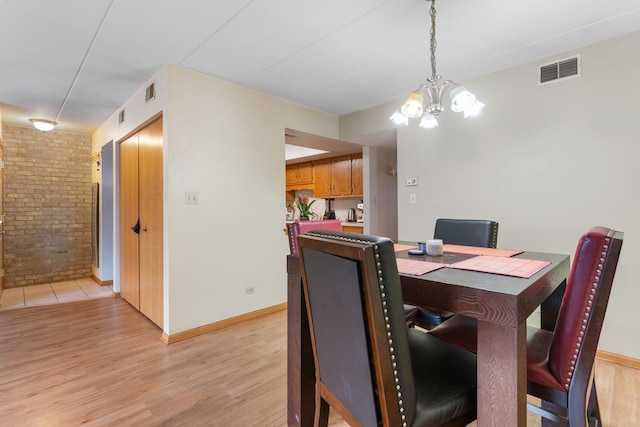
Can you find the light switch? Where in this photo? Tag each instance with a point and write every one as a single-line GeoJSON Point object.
{"type": "Point", "coordinates": [412, 198]}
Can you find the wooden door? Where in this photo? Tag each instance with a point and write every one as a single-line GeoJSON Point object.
{"type": "Point", "coordinates": [356, 176]}
{"type": "Point", "coordinates": [129, 242]}
{"type": "Point", "coordinates": [151, 234]}
{"type": "Point", "coordinates": [322, 178]}
{"type": "Point", "coordinates": [341, 176]}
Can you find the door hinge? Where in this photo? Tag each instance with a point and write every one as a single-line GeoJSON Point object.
{"type": "Point", "coordinates": [1, 164]}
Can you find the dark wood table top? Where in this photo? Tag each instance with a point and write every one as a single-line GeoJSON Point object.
{"type": "Point", "coordinates": [485, 296]}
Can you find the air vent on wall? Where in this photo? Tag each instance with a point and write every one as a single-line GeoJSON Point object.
{"type": "Point", "coordinates": [121, 117]}
{"type": "Point", "coordinates": [566, 68]}
{"type": "Point", "coordinates": [150, 92]}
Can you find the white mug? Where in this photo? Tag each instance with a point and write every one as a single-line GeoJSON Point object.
{"type": "Point", "coordinates": [434, 247]}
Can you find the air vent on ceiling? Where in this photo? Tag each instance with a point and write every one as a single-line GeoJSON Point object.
{"type": "Point", "coordinates": [566, 68]}
{"type": "Point", "coordinates": [150, 92]}
{"type": "Point", "coordinates": [121, 117]}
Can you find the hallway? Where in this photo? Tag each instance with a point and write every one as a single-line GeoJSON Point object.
{"type": "Point", "coordinates": [53, 293]}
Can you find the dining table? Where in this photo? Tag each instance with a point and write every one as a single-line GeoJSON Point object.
{"type": "Point", "coordinates": [500, 299]}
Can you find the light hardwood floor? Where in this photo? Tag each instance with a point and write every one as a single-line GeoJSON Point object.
{"type": "Point", "coordinates": [101, 363]}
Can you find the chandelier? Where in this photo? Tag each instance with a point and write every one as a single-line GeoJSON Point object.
{"type": "Point", "coordinates": [426, 101]}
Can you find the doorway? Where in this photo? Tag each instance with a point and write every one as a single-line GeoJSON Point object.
{"type": "Point", "coordinates": [1, 214]}
{"type": "Point", "coordinates": [106, 213]}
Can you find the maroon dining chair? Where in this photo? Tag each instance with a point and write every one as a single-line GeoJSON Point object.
{"type": "Point", "coordinates": [560, 363]}
{"type": "Point", "coordinates": [296, 228]}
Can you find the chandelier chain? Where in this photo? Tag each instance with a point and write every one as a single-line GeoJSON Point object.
{"type": "Point", "coordinates": [432, 13]}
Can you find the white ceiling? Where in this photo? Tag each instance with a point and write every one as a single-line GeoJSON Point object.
{"type": "Point", "coordinates": [78, 61]}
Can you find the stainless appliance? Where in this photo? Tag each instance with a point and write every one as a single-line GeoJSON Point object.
{"type": "Point", "coordinates": [351, 217]}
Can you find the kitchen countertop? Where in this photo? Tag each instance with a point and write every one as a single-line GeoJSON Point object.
{"type": "Point", "coordinates": [343, 223]}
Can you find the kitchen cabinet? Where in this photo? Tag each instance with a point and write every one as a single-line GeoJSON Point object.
{"type": "Point", "coordinates": [352, 229]}
{"type": "Point", "coordinates": [141, 237]}
{"type": "Point", "coordinates": [338, 177]}
{"type": "Point", "coordinates": [341, 176]}
{"type": "Point", "coordinates": [356, 175]}
{"type": "Point", "coordinates": [322, 178]}
{"type": "Point", "coordinates": [300, 176]}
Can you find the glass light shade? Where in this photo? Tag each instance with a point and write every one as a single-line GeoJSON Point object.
{"type": "Point", "coordinates": [474, 109]}
{"type": "Point", "coordinates": [428, 121]}
{"type": "Point", "coordinates": [399, 118]}
{"type": "Point", "coordinates": [413, 106]}
{"type": "Point", "coordinates": [461, 99]}
{"type": "Point", "coordinates": [43, 125]}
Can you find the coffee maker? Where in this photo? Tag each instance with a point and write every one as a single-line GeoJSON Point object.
{"type": "Point", "coordinates": [329, 212]}
{"type": "Point", "coordinates": [360, 207]}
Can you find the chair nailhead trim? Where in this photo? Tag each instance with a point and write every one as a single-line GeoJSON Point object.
{"type": "Point", "coordinates": [383, 297]}
{"type": "Point", "coordinates": [587, 312]}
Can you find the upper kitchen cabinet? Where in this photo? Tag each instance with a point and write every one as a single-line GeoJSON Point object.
{"type": "Point", "coordinates": [322, 178]}
{"type": "Point", "coordinates": [341, 176]}
{"type": "Point", "coordinates": [357, 187]}
{"type": "Point", "coordinates": [300, 176]}
{"type": "Point", "coordinates": [338, 177]}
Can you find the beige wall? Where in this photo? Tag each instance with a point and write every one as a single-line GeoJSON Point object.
{"type": "Point", "coordinates": [47, 206]}
{"type": "Point", "coordinates": [226, 143]}
{"type": "Point", "coordinates": [547, 162]}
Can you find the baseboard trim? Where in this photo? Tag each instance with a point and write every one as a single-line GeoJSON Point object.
{"type": "Point", "coordinates": [619, 359]}
{"type": "Point", "coordinates": [170, 339]}
{"type": "Point", "coordinates": [100, 282]}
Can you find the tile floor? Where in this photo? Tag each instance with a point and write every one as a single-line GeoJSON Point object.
{"type": "Point", "coordinates": [53, 293]}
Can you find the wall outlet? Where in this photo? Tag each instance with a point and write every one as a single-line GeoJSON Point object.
{"type": "Point", "coordinates": [190, 198]}
{"type": "Point", "coordinates": [412, 181]}
{"type": "Point", "coordinates": [249, 290]}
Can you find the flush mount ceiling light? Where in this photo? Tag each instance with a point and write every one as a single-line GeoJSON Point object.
{"type": "Point", "coordinates": [43, 125]}
{"type": "Point", "coordinates": [426, 101]}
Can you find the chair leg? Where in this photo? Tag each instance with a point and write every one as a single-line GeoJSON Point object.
{"type": "Point", "coordinates": [593, 410]}
{"type": "Point", "coordinates": [322, 412]}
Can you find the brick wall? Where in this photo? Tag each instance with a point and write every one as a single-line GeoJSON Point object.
{"type": "Point", "coordinates": [47, 206]}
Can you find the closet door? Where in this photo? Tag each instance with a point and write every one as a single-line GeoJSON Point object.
{"type": "Point", "coordinates": [129, 242]}
{"type": "Point", "coordinates": [150, 206]}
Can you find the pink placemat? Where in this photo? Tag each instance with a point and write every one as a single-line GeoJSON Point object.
{"type": "Point", "coordinates": [517, 267]}
{"type": "Point", "coordinates": [416, 267]}
{"type": "Point", "coordinates": [397, 247]}
{"type": "Point", "coordinates": [480, 251]}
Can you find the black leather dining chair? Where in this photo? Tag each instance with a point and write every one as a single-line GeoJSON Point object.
{"type": "Point", "coordinates": [560, 362]}
{"type": "Point", "coordinates": [295, 228]}
{"type": "Point", "coordinates": [370, 368]}
{"type": "Point", "coordinates": [468, 232]}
